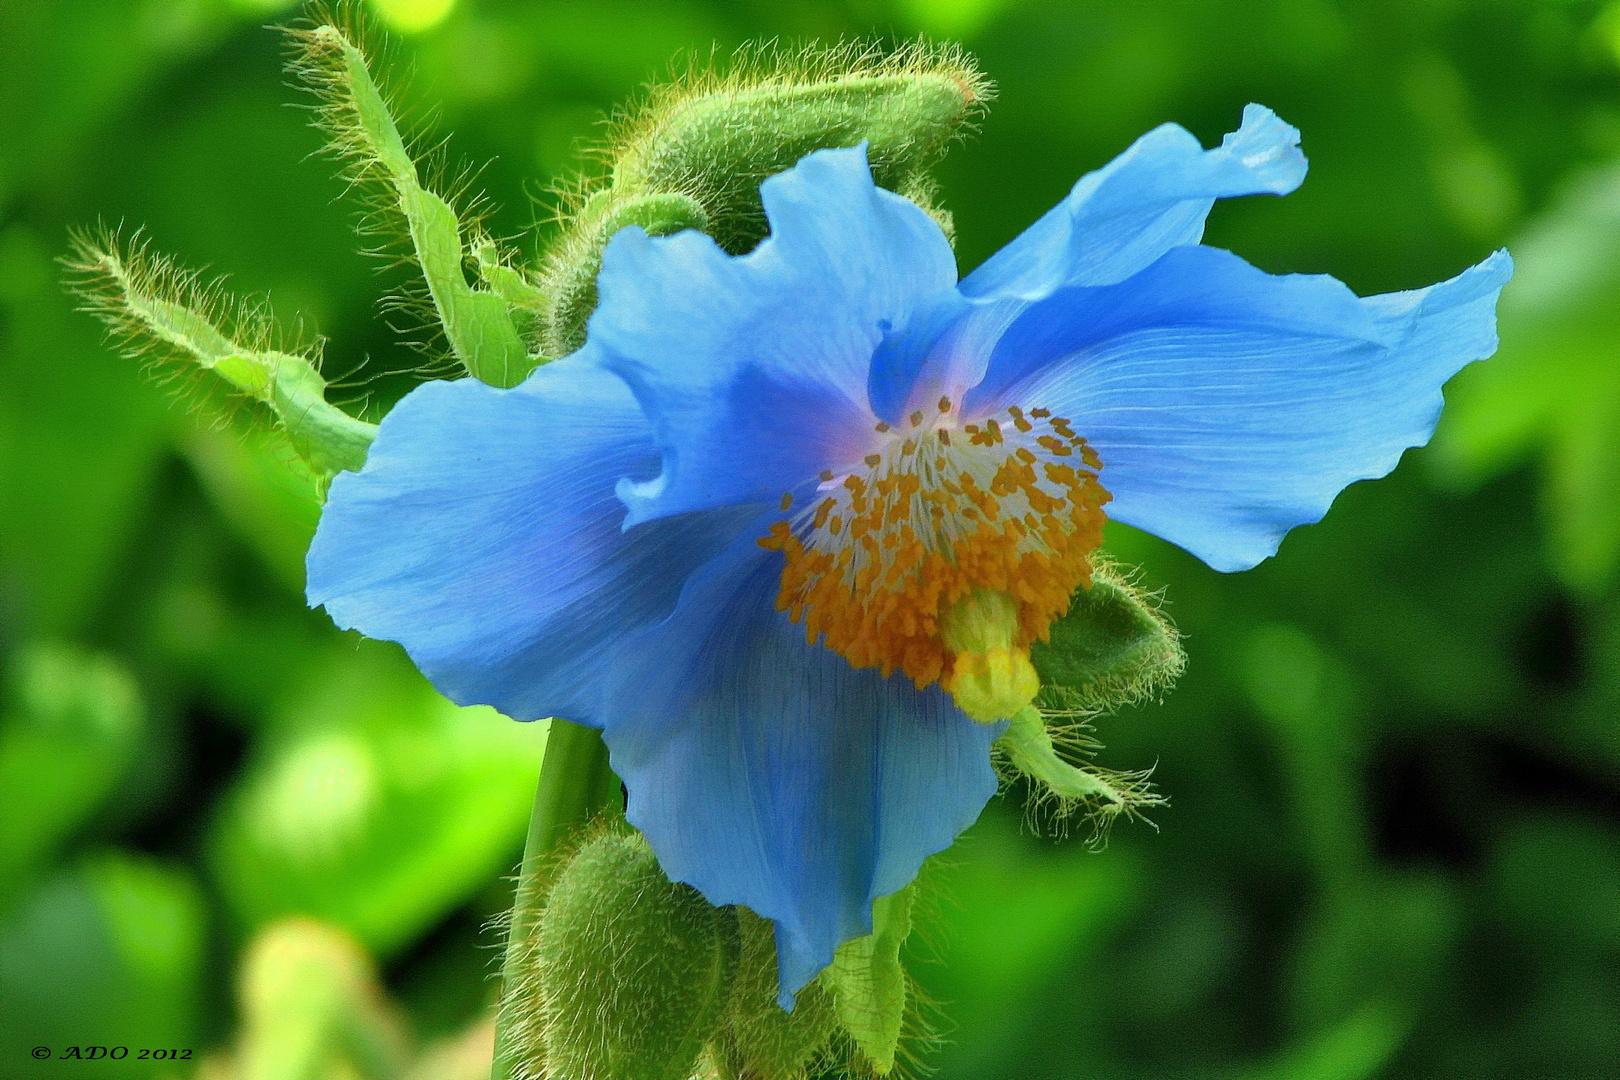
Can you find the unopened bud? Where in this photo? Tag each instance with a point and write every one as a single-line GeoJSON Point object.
{"type": "Point", "coordinates": [631, 970]}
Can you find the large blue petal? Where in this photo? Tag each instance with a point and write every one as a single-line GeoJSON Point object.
{"type": "Point", "coordinates": [766, 771]}
{"type": "Point", "coordinates": [1153, 197]}
{"type": "Point", "coordinates": [1229, 405]}
{"type": "Point", "coordinates": [753, 369]}
{"type": "Point", "coordinates": [1115, 222]}
{"type": "Point", "coordinates": [484, 535]}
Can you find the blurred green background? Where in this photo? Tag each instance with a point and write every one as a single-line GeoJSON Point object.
{"type": "Point", "coordinates": [1393, 848]}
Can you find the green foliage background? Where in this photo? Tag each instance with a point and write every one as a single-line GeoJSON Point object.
{"type": "Point", "coordinates": [1393, 848]}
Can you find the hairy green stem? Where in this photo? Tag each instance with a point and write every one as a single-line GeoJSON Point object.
{"type": "Point", "coordinates": [479, 324]}
{"type": "Point", "coordinates": [575, 783]}
{"type": "Point", "coordinates": [1028, 746]}
{"type": "Point", "coordinates": [163, 311]}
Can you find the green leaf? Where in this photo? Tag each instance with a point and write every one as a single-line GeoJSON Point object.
{"type": "Point", "coordinates": [109, 953]}
{"type": "Point", "coordinates": [1553, 389]}
{"type": "Point", "coordinates": [868, 983]}
{"type": "Point", "coordinates": [374, 803]}
{"type": "Point", "coordinates": [481, 331]}
{"type": "Point", "coordinates": [326, 437]}
{"type": "Point", "coordinates": [159, 310]}
{"type": "Point", "coordinates": [312, 1007]}
{"type": "Point", "coordinates": [524, 300]}
{"type": "Point", "coordinates": [1113, 647]}
{"type": "Point", "coordinates": [67, 735]}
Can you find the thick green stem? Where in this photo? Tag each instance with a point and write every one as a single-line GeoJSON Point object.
{"type": "Point", "coordinates": [575, 783]}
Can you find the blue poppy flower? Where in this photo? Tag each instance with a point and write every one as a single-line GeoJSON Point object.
{"type": "Point", "coordinates": [786, 525]}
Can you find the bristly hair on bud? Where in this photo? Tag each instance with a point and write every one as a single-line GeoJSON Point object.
{"type": "Point", "coordinates": [759, 1039]}
{"type": "Point", "coordinates": [910, 100]}
{"type": "Point", "coordinates": [1115, 647]}
{"type": "Point", "coordinates": [704, 141]}
{"type": "Point", "coordinates": [627, 974]}
{"type": "Point", "coordinates": [425, 218]}
{"type": "Point", "coordinates": [181, 324]}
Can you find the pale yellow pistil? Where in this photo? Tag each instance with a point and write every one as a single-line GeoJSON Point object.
{"type": "Point", "coordinates": [991, 676]}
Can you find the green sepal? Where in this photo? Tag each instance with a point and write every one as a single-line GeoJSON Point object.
{"type": "Point", "coordinates": [702, 145]}
{"type": "Point", "coordinates": [1113, 647]}
{"type": "Point", "coordinates": [868, 982]}
{"type": "Point", "coordinates": [630, 971]}
{"type": "Point", "coordinates": [328, 438]}
{"type": "Point", "coordinates": [70, 726]}
{"type": "Point", "coordinates": [526, 305]}
{"type": "Point", "coordinates": [762, 1041]}
{"type": "Point", "coordinates": [481, 332]}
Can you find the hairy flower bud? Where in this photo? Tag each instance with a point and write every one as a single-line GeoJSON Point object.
{"type": "Point", "coordinates": [1114, 647]}
{"type": "Point", "coordinates": [629, 971]}
{"type": "Point", "coordinates": [706, 141]}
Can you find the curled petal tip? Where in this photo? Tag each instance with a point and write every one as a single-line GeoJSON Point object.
{"type": "Point", "coordinates": [1268, 147]}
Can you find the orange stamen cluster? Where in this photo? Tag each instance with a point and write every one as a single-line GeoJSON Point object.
{"type": "Point", "coordinates": [939, 509]}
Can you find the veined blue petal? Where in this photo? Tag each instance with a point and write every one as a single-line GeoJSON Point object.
{"type": "Point", "coordinates": [484, 535]}
{"type": "Point", "coordinates": [942, 354]}
{"type": "Point", "coordinates": [902, 357]}
{"type": "Point", "coordinates": [1229, 405]}
{"type": "Point", "coordinates": [753, 369]}
{"type": "Point", "coordinates": [766, 771]}
{"type": "Point", "coordinates": [1153, 197]}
